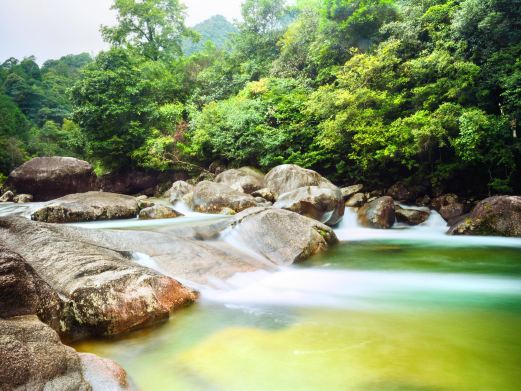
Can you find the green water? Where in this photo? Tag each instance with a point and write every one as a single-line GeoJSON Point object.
{"type": "Point", "coordinates": [373, 315]}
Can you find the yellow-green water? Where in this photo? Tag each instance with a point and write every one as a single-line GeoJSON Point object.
{"type": "Point", "coordinates": [374, 315]}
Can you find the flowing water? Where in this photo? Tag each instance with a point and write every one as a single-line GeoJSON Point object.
{"type": "Point", "coordinates": [402, 309]}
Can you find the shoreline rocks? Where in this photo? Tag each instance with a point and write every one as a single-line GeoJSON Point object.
{"type": "Point", "coordinates": [496, 216]}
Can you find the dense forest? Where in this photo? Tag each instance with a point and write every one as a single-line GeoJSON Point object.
{"type": "Point", "coordinates": [360, 90]}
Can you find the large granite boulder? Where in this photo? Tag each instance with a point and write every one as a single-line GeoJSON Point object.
{"type": "Point", "coordinates": [34, 359]}
{"type": "Point", "coordinates": [105, 292]}
{"type": "Point", "coordinates": [282, 236]}
{"type": "Point", "coordinates": [289, 177]}
{"type": "Point", "coordinates": [245, 179]}
{"type": "Point", "coordinates": [178, 190]}
{"type": "Point", "coordinates": [378, 213]}
{"type": "Point", "coordinates": [323, 204]}
{"type": "Point", "coordinates": [89, 206]}
{"type": "Point", "coordinates": [498, 216]}
{"type": "Point", "coordinates": [411, 216]}
{"type": "Point", "coordinates": [448, 206]}
{"type": "Point", "coordinates": [47, 178]}
{"type": "Point", "coordinates": [212, 197]}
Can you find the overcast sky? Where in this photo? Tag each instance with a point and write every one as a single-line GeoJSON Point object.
{"type": "Point", "coordinates": [50, 29]}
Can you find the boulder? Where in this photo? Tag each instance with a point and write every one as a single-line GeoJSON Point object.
{"type": "Point", "coordinates": [289, 177]}
{"type": "Point", "coordinates": [266, 194]}
{"type": "Point", "coordinates": [178, 190]}
{"type": "Point", "coordinates": [348, 192]}
{"type": "Point", "coordinates": [448, 206]}
{"type": "Point", "coordinates": [497, 216]}
{"type": "Point", "coordinates": [410, 216]}
{"type": "Point", "coordinates": [216, 167]}
{"type": "Point", "coordinates": [282, 236]}
{"type": "Point", "coordinates": [403, 192]}
{"type": "Point", "coordinates": [378, 213]}
{"type": "Point", "coordinates": [8, 196]}
{"type": "Point", "coordinates": [47, 178]}
{"type": "Point", "coordinates": [89, 206]}
{"type": "Point", "coordinates": [23, 292]}
{"type": "Point", "coordinates": [23, 198]}
{"type": "Point", "coordinates": [34, 359]}
{"type": "Point", "coordinates": [106, 293]}
{"type": "Point", "coordinates": [158, 212]}
{"type": "Point", "coordinates": [323, 204]}
{"type": "Point", "coordinates": [356, 200]}
{"type": "Point", "coordinates": [245, 179]}
{"type": "Point", "coordinates": [211, 197]}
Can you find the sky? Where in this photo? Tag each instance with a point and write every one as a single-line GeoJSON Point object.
{"type": "Point", "coordinates": [49, 29]}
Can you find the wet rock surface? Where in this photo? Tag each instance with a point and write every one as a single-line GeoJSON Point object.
{"type": "Point", "coordinates": [378, 213]}
{"type": "Point", "coordinates": [158, 212]}
{"type": "Point", "coordinates": [411, 216]}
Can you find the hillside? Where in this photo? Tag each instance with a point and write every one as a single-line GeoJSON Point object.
{"type": "Point", "coordinates": [217, 29]}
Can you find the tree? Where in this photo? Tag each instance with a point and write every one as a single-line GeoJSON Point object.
{"type": "Point", "coordinates": [155, 28]}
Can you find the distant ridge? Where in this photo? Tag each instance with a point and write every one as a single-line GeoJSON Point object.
{"type": "Point", "coordinates": [217, 29]}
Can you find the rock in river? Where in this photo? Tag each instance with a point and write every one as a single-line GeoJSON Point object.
{"type": "Point", "coordinates": [211, 197]}
{"type": "Point", "coordinates": [47, 178]}
{"type": "Point", "coordinates": [378, 213]}
{"type": "Point", "coordinates": [89, 206]}
{"type": "Point", "coordinates": [104, 291]}
{"type": "Point", "coordinates": [158, 212]}
{"type": "Point", "coordinates": [245, 179]}
{"type": "Point", "coordinates": [178, 190]}
{"type": "Point", "coordinates": [288, 177]}
{"type": "Point", "coordinates": [323, 204]}
{"type": "Point", "coordinates": [499, 216]}
{"type": "Point", "coordinates": [282, 236]}
{"type": "Point", "coordinates": [411, 216]}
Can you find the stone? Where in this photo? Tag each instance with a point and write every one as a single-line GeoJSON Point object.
{"type": "Point", "coordinates": [289, 177]}
{"type": "Point", "coordinates": [348, 192]}
{"type": "Point", "coordinates": [23, 292]}
{"type": "Point", "coordinates": [245, 179]}
{"type": "Point", "coordinates": [377, 214]}
{"type": "Point", "coordinates": [356, 200]}
{"type": "Point", "coordinates": [323, 204]}
{"type": "Point", "coordinates": [91, 206]}
{"type": "Point", "coordinates": [104, 374]}
{"type": "Point", "coordinates": [178, 190]}
{"type": "Point", "coordinates": [496, 216]}
{"type": "Point", "coordinates": [106, 292]}
{"type": "Point", "coordinates": [33, 358]}
{"type": "Point", "coordinates": [448, 206]}
{"type": "Point", "coordinates": [211, 197]}
{"type": "Point", "coordinates": [403, 192]}
{"type": "Point", "coordinates": [158, 212]}
{"type": "Point", "coordinates": [282, 236]}
{"type": "Point", "coordinates": [265, 193]}
{"type": "Point", "coordinates": [411, 216]}
{"type": "Point", "coordinates": [8, 196]}
{"type": "Point", "coordinates": [23, 198]}
{"type": "Point", "coordinates": [145, 203]}
{"type": "Point", "coordinates": [47, 178]}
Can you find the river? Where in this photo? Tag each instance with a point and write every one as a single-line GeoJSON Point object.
{"type": "Point", "coordinates": [403, 309]}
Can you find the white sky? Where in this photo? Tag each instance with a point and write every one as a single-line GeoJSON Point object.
{"type": "Point", "coordinates": [50, 29]}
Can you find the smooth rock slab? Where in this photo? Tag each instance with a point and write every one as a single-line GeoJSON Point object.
{"type": "Point", "coordinates": [89, 206]}
{"type": "Point", "coordinates": [106, 292]}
